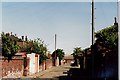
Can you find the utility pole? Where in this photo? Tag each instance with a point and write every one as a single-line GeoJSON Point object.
{"type": "Point", "coordinates": [55, 49]}
{"type": "Point", "coordinates": [93, 39]}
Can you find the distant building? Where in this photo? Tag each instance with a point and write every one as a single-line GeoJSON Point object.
{"type": "Point", "coordinates": [68, 59]}
{"type": "Point", "coordinates": [49, 55]}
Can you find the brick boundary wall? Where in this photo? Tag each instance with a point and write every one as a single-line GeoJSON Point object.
{"type": "Point", "coordinates": [14, 66]}
{"type": "Point", "coordinates": [46, 65]}
{"type": "Point", "coordinates": [43, 65]}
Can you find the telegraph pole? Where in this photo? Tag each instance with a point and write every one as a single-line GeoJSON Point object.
{"type": "Point", "coordinates": [55, 49]}
{"type": "Point", "coordinates": [93, 39]}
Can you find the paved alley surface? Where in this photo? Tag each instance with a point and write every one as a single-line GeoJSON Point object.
{"type": "Point", "coordinates": [54, 73]}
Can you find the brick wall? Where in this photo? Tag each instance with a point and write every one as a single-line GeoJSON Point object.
{"type": "Point", "coordinates": [48, 64]}
{"type": "Point", "coordinates": [11, 67]}
{"type": "Point", "coordinates": [43, 66]}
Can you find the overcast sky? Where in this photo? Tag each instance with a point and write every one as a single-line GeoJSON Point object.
{"type": "Point", "coordinates": [71, 21]}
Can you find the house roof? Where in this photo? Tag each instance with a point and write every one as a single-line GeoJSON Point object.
{"type": "Point", "coordinates": [14, 37]}
{"type": "Point", "coordinates": [20, 53]}
{"type": "Point", "coordinates": [68, 57]}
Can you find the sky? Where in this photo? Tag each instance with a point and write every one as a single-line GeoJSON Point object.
{"type": "Point", "coordinates": [71, 21]}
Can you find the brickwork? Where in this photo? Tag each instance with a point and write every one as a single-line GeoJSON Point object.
{"type": "Point", "coordinates": [11, 67]}
{"type": "Point", "coordinates": [16, 66]}
{"type": "Point", "coordinates": [45, 65]}
{"type": "Point", "coordinates": [48, 64]}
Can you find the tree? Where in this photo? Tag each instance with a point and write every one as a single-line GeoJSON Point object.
{"type": "Point", "coordinates": [9, 45]}
{"type": "Point", "coordinates": [76, 53]}
{"type": "Point", "coordinates": [105, 54]}
{"type": "Point", "coordinates": [106, 51]}
{"type": "Point", "coordinates": [109, 36]}
{"type": "Point", "coordinates": [59, 53]}
{"type": "Point", "coordinates": [37, 46]}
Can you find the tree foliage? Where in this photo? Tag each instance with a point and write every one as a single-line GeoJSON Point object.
{"type": "Point", "coordinates": [77, 51]}
{"type": "Point", "coordinates": [9, 45]}
{"type": "Point", "coordinates": [37, 46]}
{"type": "Point", "coordinates": [59, 53]}
{"type": "Point", "coordinates": [108, 36]}
{"type": "Point", "coordinates": [103, 55]}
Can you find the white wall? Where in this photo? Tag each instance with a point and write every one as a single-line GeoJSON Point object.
{"type": "Point", "coordinates": [32, 69]}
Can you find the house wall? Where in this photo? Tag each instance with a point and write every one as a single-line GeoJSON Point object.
{"type": "Point", "coordinates": [68, 60]}
{"type": "Point", "coordinates": [13, 67]}
{"type": "Point", "coordinates": [62, 62]}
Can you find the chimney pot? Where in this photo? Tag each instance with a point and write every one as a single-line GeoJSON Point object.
{"type": "Point", "coordinates": [25, 38]}
{"type": "Point", "coordinates": [22, 38]}
{"type": "Point", "coordinates": [115, 21]}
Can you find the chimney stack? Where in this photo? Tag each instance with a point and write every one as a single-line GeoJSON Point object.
{"type": "Point", "coordinates": [26, 38]}
{"type": "Point", "coordinates": [22, 38]}
{"type": "Point", "coordinates": [115, 21]}
{"type": "Point", "coordinates": [8, 34]}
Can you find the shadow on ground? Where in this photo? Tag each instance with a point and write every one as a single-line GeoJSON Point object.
{"type": "Point", "coordinates": [79, 74]}
{"type": "Point", "coordinates": [75, 74]}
